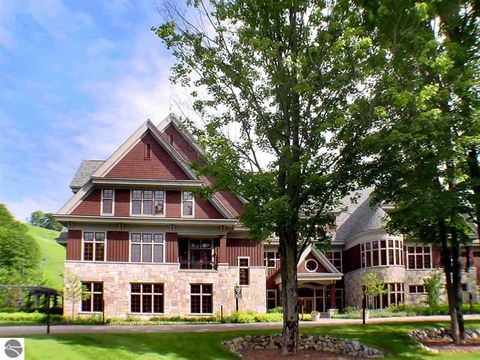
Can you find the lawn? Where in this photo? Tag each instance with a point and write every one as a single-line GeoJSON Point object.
{"type": "Point", "coordinates": [53, 253]}
{"type": "Point", "coordinates": [392, 339]}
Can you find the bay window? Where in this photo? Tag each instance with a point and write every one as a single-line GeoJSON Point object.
{"type": "Point", "coordinates": [381, 253]}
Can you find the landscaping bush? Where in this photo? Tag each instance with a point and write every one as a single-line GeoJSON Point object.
{"type": "Point", "coordinates": [275, 310]}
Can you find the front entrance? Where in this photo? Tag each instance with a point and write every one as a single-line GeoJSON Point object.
{"type": "Point", "coordinates": [311, 299]}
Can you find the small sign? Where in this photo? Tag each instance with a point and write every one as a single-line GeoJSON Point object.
{"type": "Point", "coordinates": [237, 292]}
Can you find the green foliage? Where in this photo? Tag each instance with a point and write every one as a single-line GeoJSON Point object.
{"type": "Point", "coordinates": [277, 309]}
{"type": "Point", "coordinates": [373, 285]}
{"type": "Point", "coordinates": [74, 291]}
{"type": "Point", "coordinates": [44, 220]}
{"type": "Point", "coordinates": [19, 253]}
{"type": "Point", "coordinates": [435, 288]}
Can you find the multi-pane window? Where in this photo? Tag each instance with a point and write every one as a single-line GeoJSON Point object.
{"type": "Point", "coordinates": [244, 271]}
{"type": "Point", "coordinates": [92, 296]}
{"type": "Point", "coordinates": [271, 299]}
{"type": "Point", "coordinates": [93, 246]}
{"type": "Point", "coordinates": [201, 301]}
{"type": "Point", "coordinates": [146, 298]}
{"type": "Point", "coordinates": [381, 252]}
{"type": "Point", "coordinates": [394, 295]}
{"type": "Point", "coordinates": [270, 258]}
{"type": "Point", "coordinates": [107, 201]}
{"type": "Point", "coordinates": [148, 202]}
{"type": "Point", "coordinates": [146, 247]}
{"type": "Point", "coordinates": [419, 256]}
{"type": "Point", "coordinates": [187, 204]}
{"type": "Point", "coordinates": [335, 257]}
{"type": "Point", "coordinates": [416, 289]}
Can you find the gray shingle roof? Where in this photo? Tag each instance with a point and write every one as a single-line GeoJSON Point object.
{"type": "Point", "coordinates": [84, 171]}
{"type": "Point", "coordinates": [360, 217]}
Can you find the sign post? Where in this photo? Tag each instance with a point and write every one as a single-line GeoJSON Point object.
{"type": "Point", "coordinates": [237, 293]}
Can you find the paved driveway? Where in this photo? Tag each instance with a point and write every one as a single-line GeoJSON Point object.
{"type": "Point", "coordinates": [104, 329]}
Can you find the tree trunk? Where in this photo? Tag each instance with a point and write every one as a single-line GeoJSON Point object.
{"type": "Point", "coordinates": [288, 256]}
{"type": "Point", "coordinates": [457, 285]}
{"type": "Point", "coordinates": [474, 167]}
{"type": "Point", "coordinates": [447, 267]}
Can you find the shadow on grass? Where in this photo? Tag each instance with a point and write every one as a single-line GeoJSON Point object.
{"type": "Point", "coordinates": [392, 339]}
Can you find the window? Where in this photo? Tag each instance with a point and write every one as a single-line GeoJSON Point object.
{"type": "Point", "coordinates": [381, 253]}
{"type": "Point", "coordinates": [335, 257]}
{"type": "Point", "coordinates": [92, 296]}
{"type": "Point", "coordinates": [147, 151]}
{"type": "Point", "coordinates": [244, 271]}
{"type": "Point", "coordinates": [393, 296]}
{"type": "Point", "coordinates": [187, 204]}
{"type": "Point", "coordinates": [271, 299]}
{"type": "Point", "coordinates": [148, 202]}
{"type": "Point", "coordinates": [107, 201]}
{"type": "Point", "coordinates": [311, 265]}
{"type": "Point", "coordinates": [416, 289]}
{"type": "Point", "coordinates": [271, 258]}
{"type": "Point", "coordinates": [464, 288]}
{"type": "Point", "coordinates": [201, 301]}
{"type": "Point", "coordinates": [146, 247]}
{"type": "Point", "coordinates": [419, 256]}
{"type": "Point", "coordinates": [146, 298]}
{"type": "Point", "coordinates": [93, 246]}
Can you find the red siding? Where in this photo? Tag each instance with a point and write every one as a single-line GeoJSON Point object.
{"type": "Point", "coordinates": [179, 143]}
{"type": "Point", "coordinates": [320, 269]}
{"type": "Point", "coordinates": [117, 246]}
{"type": "Point", "coordinates": [351, 259]}
{"type": "Point", "coordinates": [173, 204]}
{"type": "Point", "coordinates": [160, 165]}
{"type": "Point", "coordinates": [122, 202]}
{"type": "Point", "coordinates": [244, 247]}
{"type": "Point", "coordinates": [90, 205]}
{"type": "Point", "coordinates": [205, 210]}
{"type": "Point", "coordinates": [436, 257]}
{"type": "Point", "coordinates": [74, 245]}
{"type": "Point", "coordinates": [171, 247]}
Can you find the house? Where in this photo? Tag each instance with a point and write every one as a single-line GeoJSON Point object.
{"type": "Point", "coordinates": [143, 245]}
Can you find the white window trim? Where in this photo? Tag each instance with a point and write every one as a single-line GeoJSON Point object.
{"type": "Point", "coordinates": [275, 259]}
{"type": "Point", "coordinates": [105, 246]}
{"type": "Point", "coordinates": [369, 252]}
{"type": "Point", "coordinates": [141, 234]}
{"type": "Point", "coordinates": [145, 313]}
{"type": "Point", "coordinates": [341, 258]}
{"type": "Point", "coordinates": [181, 205]}
{"type": "Point", "coordinates": [274, 291]}
{"type": "Point", "coordinates": [407, 253]}
{"type": "Point", "coordinates": [153, 203]}
{"type": "Point", "coordinates": [316, 267]}
{"type": "Point", "coordinates": [113, 203]}
{"type": "Point", "coordinates": [243, 267]}
{"type": "Point", "coordinates": [201, 299]}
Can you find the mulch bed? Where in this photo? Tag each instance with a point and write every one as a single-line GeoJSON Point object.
{"type": "Point", "coordinates": [442, 345]}
{"type": "Point", "coordinates": [271, 354]}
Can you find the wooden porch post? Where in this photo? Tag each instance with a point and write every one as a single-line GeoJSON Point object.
{"type": "Point", "coordinates": [222, 252]}
{"type": "Point", "coordinates": [332, 297]}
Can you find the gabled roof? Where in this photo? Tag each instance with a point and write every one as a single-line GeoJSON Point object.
{"type": "Point", "coordinates": [320, 257]}
{"type": "Point", "coordinates": [84, 171]}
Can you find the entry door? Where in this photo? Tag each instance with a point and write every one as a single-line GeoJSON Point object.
{"type": "Point", "coordinates": [320, 300]}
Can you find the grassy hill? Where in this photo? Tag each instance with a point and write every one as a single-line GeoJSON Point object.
{"type": "Point", "coordinates": [53, 253]}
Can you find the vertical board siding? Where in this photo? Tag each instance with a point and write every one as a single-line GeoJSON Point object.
{"type": "Point", "coordinates": [74, 245]}
{"type": "Point", "coordinates": [160, 165]}
{"type": "Point", "coordinates": [244, 247]}
{"type": "Point", "coordinates": [122, 202]}
{"type": "Point", "coordinates": [173, 204]}
{"type": "Point", "coordinates": [351, 259]}
{"type": "Point", "coordinates": [117, 246]}
{"type": "Point", "coordinates": [90, 205]}
{"type": "Point", "coordinates": [171, 247]}
{"type": "Point", "coordinates": [205, 210]}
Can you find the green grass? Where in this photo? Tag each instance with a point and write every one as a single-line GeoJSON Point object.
{"type": "Point", "coordinates": [392, 339]}
{"type": "Point", "coordinates": [53, 253]}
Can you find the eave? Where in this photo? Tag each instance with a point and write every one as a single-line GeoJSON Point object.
{"type": "Point", "coordinates": [164, 184]}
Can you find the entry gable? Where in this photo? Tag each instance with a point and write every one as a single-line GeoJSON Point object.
{"type": "Point", "coordinates": [322, 264]}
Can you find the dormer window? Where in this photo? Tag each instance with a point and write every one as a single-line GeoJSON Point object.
{"type": "Point", "coordinates": [107, 201]}
{"type": "Point", "coordinates": [148, 202]}
{"type": "Point", "coordinates": [187, 204]}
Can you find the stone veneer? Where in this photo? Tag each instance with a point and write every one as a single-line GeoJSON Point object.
{"type": "Point", "coordinates": [398, 274]}
{"type": "Point", "coordinates": [117, 277]}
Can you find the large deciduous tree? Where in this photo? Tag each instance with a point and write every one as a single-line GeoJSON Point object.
{"type": "Point", "coordinates": [274, 82]}
{"type": "Point", "coordinates": [423, 152]}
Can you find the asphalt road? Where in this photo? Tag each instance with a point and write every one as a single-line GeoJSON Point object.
{"type": "Point", "coordinates": [106, 329]}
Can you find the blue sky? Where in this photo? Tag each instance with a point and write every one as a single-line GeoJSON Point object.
{"type": "Point", "coordinates": [76, 78]}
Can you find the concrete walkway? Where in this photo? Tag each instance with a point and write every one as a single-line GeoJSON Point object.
{"type": "Point", "coordinates": [199, 328]}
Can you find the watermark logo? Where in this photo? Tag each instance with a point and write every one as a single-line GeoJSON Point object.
{"type": "Point", "coordinates": [12, 349]}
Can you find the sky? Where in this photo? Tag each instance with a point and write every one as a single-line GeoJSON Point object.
{"type": "Point", "coordinates": [76, 79]}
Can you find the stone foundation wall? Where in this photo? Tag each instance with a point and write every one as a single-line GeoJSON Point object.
{"type": "Point", "coordinates": [117, 277]}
